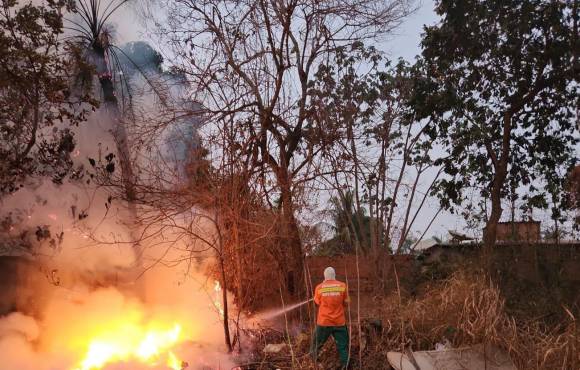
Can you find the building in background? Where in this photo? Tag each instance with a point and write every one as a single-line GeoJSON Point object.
{"type": "Point", "coordinates": [518, 231]}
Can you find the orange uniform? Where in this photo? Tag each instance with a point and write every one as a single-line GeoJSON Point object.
{"type": "Point", "coordinates": [331, 296]}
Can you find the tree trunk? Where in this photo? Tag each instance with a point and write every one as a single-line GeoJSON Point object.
{"type": "Point", "coordinates": [358, 213]}
{"type": "Point", "coordinates": [294, 274]}
{"type": "Point", "coordinates": [225, 305]}
{"type": "Point", "coordinates": [490, 232]}
{"type": "Point", "coordinates": [500, 166]}
{"type": "Point", "coordinates": [406, 227]}
{"type": "Point", "coordinates": [120, 136]}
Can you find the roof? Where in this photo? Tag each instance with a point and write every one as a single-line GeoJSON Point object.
{"type": "Point", "coordinates": [425, 244]}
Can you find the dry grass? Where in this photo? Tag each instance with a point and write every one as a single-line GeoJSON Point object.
{"type": "Point", "coordinates": [466, 310]}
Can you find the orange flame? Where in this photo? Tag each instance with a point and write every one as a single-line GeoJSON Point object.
{"type": "Point", "coordinates": [132, 343]}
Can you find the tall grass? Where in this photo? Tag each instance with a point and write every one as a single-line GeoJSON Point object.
{"type": "Point", "coordinates": [468, 310]}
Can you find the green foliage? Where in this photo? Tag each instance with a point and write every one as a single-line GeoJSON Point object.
{"type": "Point", "coordinates": [407, 245]}
{"type": "Point", "coordinates": [361, 89]}
{"type": "Point", "coordinates": [98, 56]}
{"type": "Point", "coordinates": [36, 105]}
{"type": "Point", "coordinates": [500, 86]}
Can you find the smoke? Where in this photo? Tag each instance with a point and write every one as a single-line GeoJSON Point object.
{"type": "Point", "coordinates": [77, 283]}
{"type": "Point", "coordinates": [72, 318]}
{"type": "Point", "coordinates": [67, 264]}
{"type": "Point", "coordinates": [79, 288]}
{"type": "Point", "coordinates": [67, 269]}
{"type": "Point", "coordinates": [17, 332]}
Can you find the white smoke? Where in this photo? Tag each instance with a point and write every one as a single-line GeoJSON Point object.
{"type": "Point", "coordinates": [70, 288]}
{"type": "Point", "coordinates": [71, 252]}
{"type": "Point", "coordinates": [66, 292]}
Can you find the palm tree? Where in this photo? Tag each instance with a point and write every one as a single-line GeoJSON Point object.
{"type": "Point", "coordinates": [350, 226]}
{"type": "Point", "coordinates": [93, 40]}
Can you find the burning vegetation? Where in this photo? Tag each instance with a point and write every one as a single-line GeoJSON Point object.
{"type": "Point", "coordinates": [83, 327]}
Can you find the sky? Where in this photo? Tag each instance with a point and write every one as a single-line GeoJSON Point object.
{"type": "Point", "coordinates": [405, 43]}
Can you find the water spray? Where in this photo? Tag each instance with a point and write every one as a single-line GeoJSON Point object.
{"type": "Point", "coordinates": [268, 315]}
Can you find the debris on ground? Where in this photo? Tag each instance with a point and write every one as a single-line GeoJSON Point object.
{"type": "Point", "coordinates": [477, 357]}
{"type": "Point", "coordinates": [302, 341]}
{"type": "Point", "coordinates": [440, 320]}
{"type": "Point", "coordinates": [275, 348]}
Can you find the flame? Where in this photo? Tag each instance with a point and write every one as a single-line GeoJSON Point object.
{"type": "Point", "coordinates": [217, 300]}
{"type": "Point", "coordinates": [173, 363]}
{"type": "Point", "coordinates": [132, 343]}
{"type": "Point", "coordinates": [106, 329]}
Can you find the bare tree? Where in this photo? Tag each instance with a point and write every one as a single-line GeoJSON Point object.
{"type": "Point", "coordinates": [199, 205]}
{"type": "Point", "coordinates": [254, 60]}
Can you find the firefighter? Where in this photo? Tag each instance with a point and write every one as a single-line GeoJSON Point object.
{"type": "Point", "coordinates": [331, 297]}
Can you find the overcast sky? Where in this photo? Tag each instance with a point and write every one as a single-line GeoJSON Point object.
{"type": "Point", "coordinates": [406, 41]}
{"type": "Point", "coordinates": [403, 43]}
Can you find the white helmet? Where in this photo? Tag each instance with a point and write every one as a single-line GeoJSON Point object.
{"type": "Point", "coordinates": [329, 273]}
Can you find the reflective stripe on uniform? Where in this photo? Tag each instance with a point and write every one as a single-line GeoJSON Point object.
{"type": "Point", "coordinates": [332, 289]}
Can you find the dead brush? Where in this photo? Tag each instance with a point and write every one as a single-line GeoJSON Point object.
{"type": "Point", "coordinates": [467, 309]}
